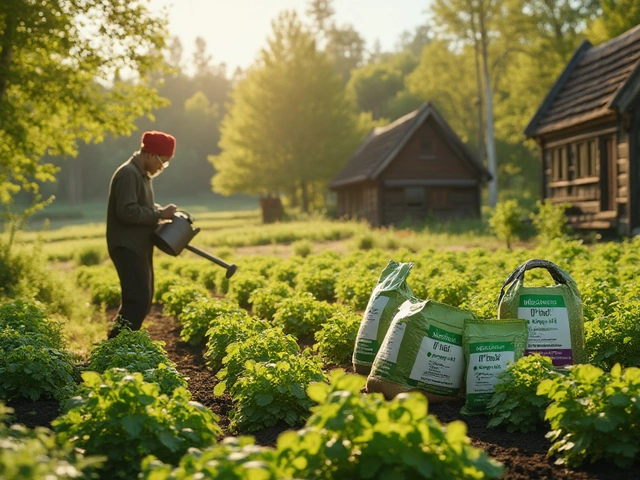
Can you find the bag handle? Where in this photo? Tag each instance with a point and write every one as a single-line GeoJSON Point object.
{"type": "Point", "coordinates": [559, 275]}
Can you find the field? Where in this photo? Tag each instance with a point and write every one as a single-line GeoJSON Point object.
{"type": "Point", "coordinates": [294, 309]}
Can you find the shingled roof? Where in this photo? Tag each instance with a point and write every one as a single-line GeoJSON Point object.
{"type": "Point", "coordinates": [383, 144]}
{"type": "Point", "coordinates": [595, 82]}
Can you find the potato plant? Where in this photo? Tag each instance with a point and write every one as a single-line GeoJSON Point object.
{"type": "Point", "coordinates": [201, 314]}
{"type": "Point", "coordinates": [337, 337]}
{"type": "Point", "coordinates": [302, 315]}
{"type": "Point", "coordinates": [178, 297]}
{"type": "Point", "coordinates": [265, 300]}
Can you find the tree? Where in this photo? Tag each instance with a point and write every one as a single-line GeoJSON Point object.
{"type": "Point", "coordinates": [506, 221]}
{"type": "Point", "coordinates": [373, 85]}
{"type": "Point", "coordinates": [617, 17]}
{"type": "Point", "coordinates": [62, 69]}
{"type": "Point", "coordinates": [289, 126]}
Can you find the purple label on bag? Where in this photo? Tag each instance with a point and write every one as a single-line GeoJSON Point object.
{"type": "Point", "coordinates": [559, 357]}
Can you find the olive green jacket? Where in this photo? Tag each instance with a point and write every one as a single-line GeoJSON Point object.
{"type": "Point", "coordinates": [132, 215]}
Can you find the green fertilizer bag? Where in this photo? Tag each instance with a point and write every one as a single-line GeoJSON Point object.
{"type": "Point", "coordinates": [489, 347]}
{"type": "Point", "coordinates": [422, 351]}
{"type": "Point", "coordinates": [390, 292]}
{"type": "Point", "coordinates": [553, 314]}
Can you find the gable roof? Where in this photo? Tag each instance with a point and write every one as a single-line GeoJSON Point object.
{"type": "Point", "coordinates": [592, 85]}
{"type": "Point", "coordinates": [383, 144]}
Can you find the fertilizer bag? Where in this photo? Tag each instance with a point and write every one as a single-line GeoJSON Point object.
{"type": "Point", "coordinates": [387, 296]}
{"type": "Point", "coordinates": [422, 351]}
{"type": "Point", "coordinates": [553, 314]}
{"type": "Point", "coordinates": [489, 346]}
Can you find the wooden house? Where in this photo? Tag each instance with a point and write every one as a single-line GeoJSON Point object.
{"type": "Point", "coordinates": [411, 169]}
{"type": "Point", "coordinates": [588, 134]}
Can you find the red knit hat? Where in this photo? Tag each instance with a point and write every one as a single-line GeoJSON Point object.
{"type": "Point", "coordinates": [159, 143]}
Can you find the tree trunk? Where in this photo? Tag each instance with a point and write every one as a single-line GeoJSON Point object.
{"type": "Point", "coordinates": [491, 148]}
{"type": "Point", "coordinates": [479, 103]}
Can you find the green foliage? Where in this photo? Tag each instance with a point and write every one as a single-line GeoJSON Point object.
{"type": "Point", "coordinates": [102, 282]}
{"type": "Point", "coordinates": [269, 392]}
{"type": "Point", "coordinates": [90, 255]}
{"type": "Point", "coordinates": [229, 328]}
{"type": "Point", "coordinates": [265, 300]}
{"type": "Point", "coordinates": [337, 337]}
{"type": "Point", "coordinates": [132, 350]}
{"type": "Point", "coordinates": [235, 458]}
{"type": "Point", "coordinates": [365, 241]}
{"type": "Point", "coordinates": [550, 221]}
{"type": "Point", "coordinates": [29, 318]}
{"type": "Point", "coordinates": [20, 447]}
{"type": "Point", "coordinates": [180, 296]}
{"type": "Point", "coordinates": [594, 415]}
{"type": "Point", "coordinates": [506, 221]}
{"type": "Point", "coordinates": [165, 282]}
{"type": "Point", "coordinates": [30, 368]}
{"type": "Point", "coordinates": [354, 287]}
{"type": "Point", "coordinates": [201, 314]}
{"type": "Point", "coordinates": [302, 315]}
{"type": "Point", "coordinates": [268, 345]}
{"type": "Point", "coordinates": [241, 288]}
{"type": "Point", "coordinates": [350, 435]}
{"type": "Point", "coordinates": [286, 271]}
{"type": "Point", "coordinates": [615, 338]}
{"type": "Point", "coordinates": [125, 419]}
{"type": "Point", "coordinates": [302, 248]}
{"type": "Point", "coordinates": [166, 377]}
{"type": "Point", "coordinates": [319, 282]}
{"type": "Point", "coordinates": [514, 403]}
{"type": "Point", "coordinates": [617, 17]}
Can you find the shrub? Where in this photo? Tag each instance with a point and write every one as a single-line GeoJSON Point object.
{"type": "Point", "coordinates": [265, 300]}
{"type": "Point", "coordinates": [514, 403]}
{"type": "Point", "coordinates": [319, 282]}
{"type": "Point", "coordinates": [166, 282]}
{"type": "Point", "coordinates": [302, 316]}
{"type": "Point", "coordinates": [230, 327]}
{"type": "Point", "coordinates": [235, 458]}
{"type": "Point", "coordinates": [132, 350]}
{"type": "Point", "coordinates": [551, 221]}
{"type": "Point", "coordinates": [269, 392]}
{"type": "Point", "coordinates": [90, 255]}
{"type": "Point", "coordinates": [302, 248]}
{"type": "Point", "coordinates": [198, 316]}
{"type": "Point", "coordinates": [166, 377]}
{"type": "Point", "coordinates": [354, 287]}
{"type": "Point", "coordinates": [594, 415]}
{"type": "Point", "coordinates": [365, 241]}
{"type": "Point", "coordinates": [285, 271]}
{"type": "Point", "coordinates": [350, 435]}
{"type": "Point", "coordinates": [506, 221]}
{"type": "Point", "coordinates": [267, 346]}
{"type": "Point", "coordinates": [179, 296]}
{"type": "Point", "coordinates": [241, 288]}
{"type": "Point", "coordinates": [27, 317]}
{"type": "Point", "coordinates": [337, 337]}
{"type": "Point", "coordinates": [125, 419]}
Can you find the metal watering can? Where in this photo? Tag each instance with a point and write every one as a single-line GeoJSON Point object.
{"type": "Point", "coordinates": [174, 236]}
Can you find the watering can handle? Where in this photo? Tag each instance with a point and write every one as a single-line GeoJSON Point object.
{"type": "Point", "coordinates": [186, 215]}
{"type": "Point", "coordinates": [559, 275]}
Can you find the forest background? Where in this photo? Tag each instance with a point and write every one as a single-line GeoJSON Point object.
{"type": "Point", "coordinates": [286, 125]}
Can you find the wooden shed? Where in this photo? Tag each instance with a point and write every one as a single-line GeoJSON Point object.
{"type": "Point", "coordinates": [588, 133]}
{"type": "Point", "coordinates": [411, 169]}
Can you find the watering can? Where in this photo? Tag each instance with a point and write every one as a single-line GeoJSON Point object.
{"type": "Point", "coordinates": [174, 236]}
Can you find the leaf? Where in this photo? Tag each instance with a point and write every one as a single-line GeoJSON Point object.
{"type": "Point", "coordinates": [369, 467]}
{"type": "Point", "coordinates": [133, 425]}
{"type": "Point", "coordinates": [263, 399]}
{"type": "Point", "coordinates": [318, 392]}
{"type": "Point", "coordinates": [219, 389]}
{"type": "Point", "coordinates": [169, 440]}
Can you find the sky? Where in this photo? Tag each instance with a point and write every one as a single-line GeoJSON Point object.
{"type": "Point", "coordinates": [235, 30]}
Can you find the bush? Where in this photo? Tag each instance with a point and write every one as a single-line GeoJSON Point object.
{"type": "Point", "coordinates": [265, 300]}
{"type": "Point", "coordinates": [506, 221]}
{"type": "Point", "coordinates": [321, 283]}
{"type": "Point", "coordinates": [230, 327]}
{"type": "Point", "coordinates": [514, 403]}
{"type": "Point", "coordinates": [198, 316]}
{"type": "Point", "coordinates": [241, 288]}
{"type": "Point", "coordinates": [594, 415]}
{"type": "Point", "coordinates": [166, 282]}
{"type": "Point", "coordinates": [285, 271]}
{"type": "Point", "coordinates": [269, 392]}
{"type": "Point", "coordinates": [302, 315]}
{"type": "Point", "coordinates": [267, 346]}
{"type": "Point", "coordinates": [551, 221]}
{"type": "Point", "coordinates": [90, 255]}
{"type": "Point", "coordinates": [166, 377]}
{"type": "Point", "coordinates": [350, 435]}
{"type": "Point", "coordinates": [302, 248]}
{"type": "Point", "coordinates": [354, 287]}
{"type": "Point", "coordinates": [125, 419]}
{"type": "Point", "coordinates": [365, 241]}
{"type": "Point", "coordinates": [180, 296]}
{"type": "Point", "coordinates": [30, 318]}
{"type": "Point", "coordinates": [336, 339]}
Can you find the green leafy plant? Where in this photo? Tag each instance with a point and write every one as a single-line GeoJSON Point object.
{"type": "Point", "coordinates": [199, 315]}
{"type": "Point", "coordinates": [302, 248]}
{"type": "Point", "coordinates": [120, 416]}
{"type": "Point", "coordinates": [235, 458]}
{"type": "Point", "coordinates": [265, 300]}
{"type": "Point", "coordinates": [30, 318]}
{"type": "Point", "coordinates": [515, 403]}
{"type": "Point", "coordinates": [594, 415]}
{"type": "Point", "coordinates": [132, 350]}
{"type": "Point", "coordinates": [506, 221]}
{"type": "Point", "coordinates": [90, 255]}
{"type": "Point", "coordinates": [302, 315]}
{"type": "Point", "coordinates": [286, 271]}
{"type": "Point", "coordinates": [267, 346]}
{"type": "Point", "coordinates": [241, 288]}
{"type": "Point", "coordinates": [354, 287]}
{"type": "Point", "coordinates": [350, 435]}
{"type": "Point", "coordinates": [229, 328]}
{"type": "Point", "coordinates": [321, 283]}
{"type": "Point", "coordinates": [269, 392]}
{"type": "Point", "coordinates": [551, 220]}
{"type": "Point", "coordinates": [166, 377]}
{"type": "Point", "coordinates": [102, 283]}
{"type": "Point", "coordinates": [337, 337]}
{"type": "Point", "coordinates": [180, 296]}
{"type": "Point", "coordinates": [164, 282]}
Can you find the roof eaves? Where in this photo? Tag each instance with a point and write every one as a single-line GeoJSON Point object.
{"type": "Point", "coordinates": [628, 92]}
{"type": "Point", "coordinates": [532, 127]}
{"type": "Point", "coordinates": [348, 181]}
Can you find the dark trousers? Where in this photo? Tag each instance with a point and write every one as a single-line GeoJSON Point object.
{"type": "Point", "coordinates": [136, 283]}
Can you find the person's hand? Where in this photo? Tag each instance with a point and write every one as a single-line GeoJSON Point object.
{"type": "Point", "coordinates": [168, 211]}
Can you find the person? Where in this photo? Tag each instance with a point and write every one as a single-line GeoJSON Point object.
{"type": "Point", "coordinates": [132, 217]}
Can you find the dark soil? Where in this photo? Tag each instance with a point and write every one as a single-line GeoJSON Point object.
{"type": "Point", "coordinates": [524, 455]}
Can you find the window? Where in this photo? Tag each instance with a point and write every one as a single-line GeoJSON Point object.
{"type": "Point", "coordinates": [414, 196]}
{"type": "Point", "coordinates": [426, 148]}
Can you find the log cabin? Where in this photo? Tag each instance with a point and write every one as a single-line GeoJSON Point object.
{"type": "Point", "coordinates": [588, 135]}
{"type": "Point", "coordinates": [412, 169]}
